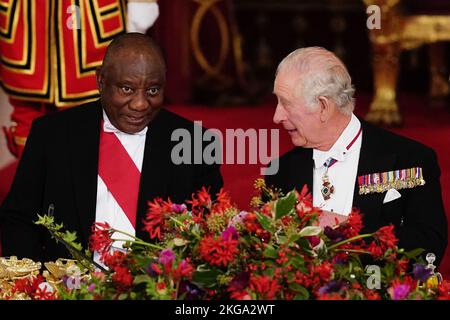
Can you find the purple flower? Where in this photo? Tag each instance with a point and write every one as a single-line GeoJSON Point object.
{"type": "Point", "coordinates": [190, 291]}
{"type": "Point", "coordinates": [334, 234]}
{"type": "Point", "coordinates": [400, 292]}
{"type": "Point", "coordinates": [238, 218]}
{"type": "Point", "coordinates": [240, 281]}
{"type": "Point", "coordinates": [91, 287]}
{"type": "Point", "coordinates": [230, 233]}
{"type": "Point", "coordinates": [179, 208]}
{"type": "Point", "coordinates": [332, 286]}
{"type": "Point", "coordinates": [166, 257]}
{"type": "Point", "coordinates": [420, 272]}
{"type": "Point", "coordinates": [149, 269]}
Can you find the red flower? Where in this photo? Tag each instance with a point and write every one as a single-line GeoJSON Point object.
{"type": "Point", "coordinates": [353, 225]}
{"type": "Point", "coordinates": [251, 223]}
{"type": "Point", "coordinates": [30, 286]}
{"type": "Point", "coordinates": [44, 294]}
{"type": "Point", "coordinates": [253, 226]}
{"type": "Point", "coordinates": [264, 286]}
{"type": "Point", "coordinates": [201, 200]}
{"type": "Point", "coordinates": [372, 295]}
{"type": "Point", "coordinates": [156, 268]}
{"type": "Point", "coordinates": [402, 266]}
{"type": "Point", "coordinates": [114, 259]}
{"type": "Point", "coordinates": [386, 237]}
{"type": "Point", "coordinates": [330, 296]}
{"type": "Point", "coordinates": [122, 277]}
{"type": "Point", "coordinates": [223, 201]}
{"type": "Point", "coordinates": [27, 285]}
{"type": "Point", "coordinates": [317, 277]}
{"type": "Point", "coordinates": [184, 270]}
{"type": "Point", "coordinates": [218, 251]}
{"type": "Point", "coordinates": [100, 239]}
{"type": "Point", "coordinates": [155, 221]}
{"type": "Point", "coordinates": [160, 286]}
{"type": "Point", "coordinates": [375, 250]}
{"type": "Point", "coordinates": [444, 290]}
{"type": "Point", "coordinates": [324, 270]}
{"type": "Point", "coordinates": [240, 295]}
{"type": "Point", "coordinates": [304, 202]}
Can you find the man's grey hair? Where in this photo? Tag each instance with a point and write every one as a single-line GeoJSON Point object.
{"type": "Point", "coordinates": [321, 73]}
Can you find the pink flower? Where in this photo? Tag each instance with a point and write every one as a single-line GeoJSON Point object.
{"type": "Point", "coordinates": [400, 289]}
{"type": "Point", "coordinates": [230, 233]}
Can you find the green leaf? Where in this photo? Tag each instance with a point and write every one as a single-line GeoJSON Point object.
{"type": "Point", "coordinates": [142, 278]}
{"type": "Point", "coordinates": [297, 262]}
{"type": "Point", "coordinates": [179, 242]}
{"type": "Point", "coordinates": [414, 253]}
{"type": "Point", "coordinates": [270, 252]}
{"type": "Point", "coordinates": [303, 294]}
{"type": "Point", "coordinates": [310, 231]}
{"type": "Point", "coordinates": [70, 236]}
{"type": "Point", "coordinates": [269, 272]}
{"type": "Point", "coordinates": [205, 278]}
{"type": "Point", "coordinates": [285, 205]}
{"type": "Point", "coordinates": [265, 222]}
{"type": "Point", "coordinates": [294, 237]}
{"type": "Point", "coordinates": [123, 296]}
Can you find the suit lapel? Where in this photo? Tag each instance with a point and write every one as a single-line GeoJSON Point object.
{"type": "Point", "coordinates": [302, 173]}
{"type": "Point", "coordinates": [84, 136]}
{"type": "Point", "coordinates": [307, 169]}
{"type": "Point", "coordinates": [155, 167]}
{"type": "Point", "coordinates": [372, 159]}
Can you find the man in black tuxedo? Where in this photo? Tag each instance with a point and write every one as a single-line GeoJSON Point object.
{"type": "Point", "coordinates": [74, 172]}
{"type": "Point", "coordinates": [348, 163]}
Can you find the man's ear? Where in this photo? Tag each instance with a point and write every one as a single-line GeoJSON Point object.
{"type": "Point", "coordinates": [99, 78]}
{"type": "Point", "coordinates": [325, 106]}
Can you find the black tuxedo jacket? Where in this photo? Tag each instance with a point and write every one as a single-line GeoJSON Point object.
{"type": "Point", "coordinates": [418, 215]}
{"type": "Point", "coordinates": [59, 166]}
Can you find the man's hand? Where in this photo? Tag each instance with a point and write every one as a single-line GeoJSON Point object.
{"type": "Point", "coordinates": [328, 218]}
{"type": "Point", "coordinates": [141, 15]}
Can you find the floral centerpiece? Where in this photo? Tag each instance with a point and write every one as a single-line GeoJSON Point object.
{"type": "Point", "coordinates": [209, 249]}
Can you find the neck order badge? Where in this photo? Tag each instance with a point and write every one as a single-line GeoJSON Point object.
{"type": "Point", "coordinates": [327, 188]}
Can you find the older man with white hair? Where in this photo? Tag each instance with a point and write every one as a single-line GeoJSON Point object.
{"type": "Point", "coordinates": [348, 163]}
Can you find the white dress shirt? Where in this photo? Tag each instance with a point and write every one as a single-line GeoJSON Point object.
{"type": "Point", "coordinates": [342, 174]}
{"type": "Point", "coordinates": [108, 210]}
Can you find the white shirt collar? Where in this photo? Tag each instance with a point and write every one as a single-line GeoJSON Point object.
{"type": "Point", "coordinates": [339, 150]}
{"type": "Point", "coordinates": [109, 127]}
